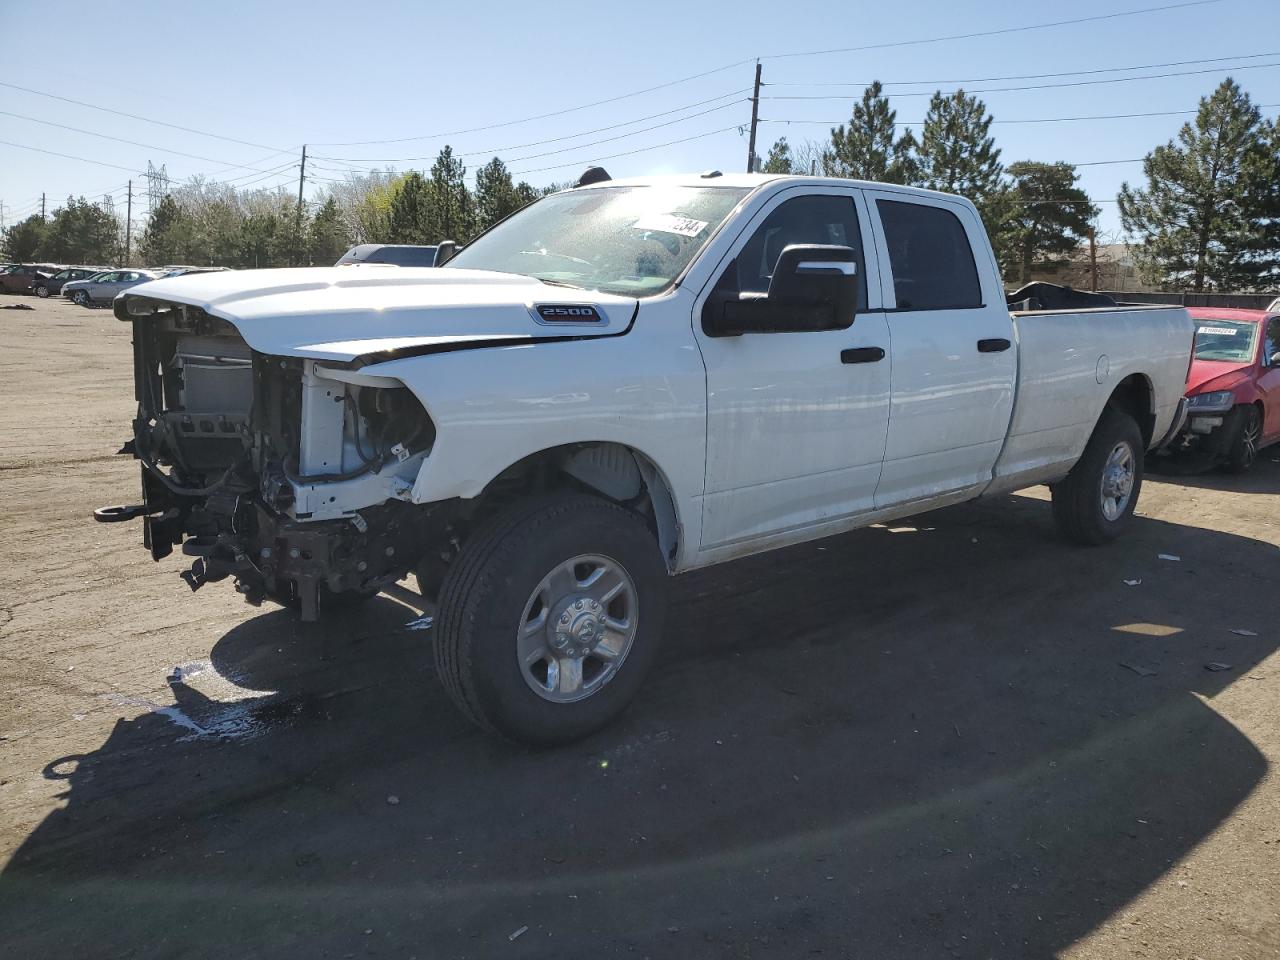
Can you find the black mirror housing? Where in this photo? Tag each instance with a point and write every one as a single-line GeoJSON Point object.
{"type": "Point", "coordinates": [814, 287]}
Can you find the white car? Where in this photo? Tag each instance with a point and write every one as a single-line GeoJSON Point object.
{"type": "Point", "coordinates": [622, 382]}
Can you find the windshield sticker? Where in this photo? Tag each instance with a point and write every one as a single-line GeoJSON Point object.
{"type": "Point", "coordinates": [671, 223]}
{"type": "Point", "coordinates": [1219, 331]}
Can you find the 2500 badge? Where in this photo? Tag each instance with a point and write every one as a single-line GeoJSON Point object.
{"type": "Point", "coordinates": [567, 313]}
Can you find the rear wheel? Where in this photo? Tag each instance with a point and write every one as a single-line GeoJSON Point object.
{"type": "Point", "coordinates": [42, 291]}
{"type": "Point", "coordinates": [1095, 502]}
{"type": "Point", "coordinates": [1244, 449]}
{"type": "Point", "coordinates": [550, 617]}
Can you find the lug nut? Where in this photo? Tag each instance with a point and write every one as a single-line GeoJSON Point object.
{"type": "Point", "coordinates": [265, 553]}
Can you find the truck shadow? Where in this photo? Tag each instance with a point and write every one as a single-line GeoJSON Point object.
{"type": "Point", "coordinates": [951, 736]}
{"type": "Point", "coordinates": [1263, 477]}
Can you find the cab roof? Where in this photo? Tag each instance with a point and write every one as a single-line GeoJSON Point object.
{"type": "Point", "coordinates": [753, 181]}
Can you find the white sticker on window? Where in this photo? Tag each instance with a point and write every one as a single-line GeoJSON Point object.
{"type": "Point", "coordinates": [1219, 331]}
{"type": "Point", "coordinates": [671, 223]}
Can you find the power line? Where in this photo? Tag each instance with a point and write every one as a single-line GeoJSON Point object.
{"type": "Point", "coordinates": [133, 143]}
{"type": "Point", "coordinates": [571, 136]}
{"type": "Point", "coordinates": [134, 116]}
{"type": "Point", "coordinates": [1100, 116]}
{"type": "Point", "coordinates": [68, 156]}
{"type": "Point", "coordinates": [1042, 86]}
{"type": "Point", "coordinates": [991, 33]}
{"type": "Point", "coordinates": [628, 153]}
{"type": "Point", "coordinates": [1028, 76]}
{"type": "Point", "coordinates": [545, 116]}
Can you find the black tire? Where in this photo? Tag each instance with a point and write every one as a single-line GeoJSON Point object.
{"type": "Point", "coordinates": [42, 292]}
{"type": "Point", "coordinates": [484, 596]}
{"type": "Point", "coordinates": [1244, 448]}
{"type": "Point", "coordinates": [81, 297]}
{"type": "Point", "coordinates": [1078, 503]}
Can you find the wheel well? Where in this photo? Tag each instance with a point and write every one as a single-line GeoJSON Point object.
{"type": "Point", "coordinates": [612, 470]}
{"type": "Point", "coordinates": [1133, 395]}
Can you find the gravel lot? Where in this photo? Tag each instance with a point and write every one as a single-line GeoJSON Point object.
{"type": "Point", "coordinates": [957, 736]}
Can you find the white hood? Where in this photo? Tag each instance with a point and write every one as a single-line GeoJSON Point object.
{"type": "Point", "coordinates": [341, 313]}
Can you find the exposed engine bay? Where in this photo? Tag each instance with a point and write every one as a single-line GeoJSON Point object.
{"type": "Point", "coordinates": [290, 475]}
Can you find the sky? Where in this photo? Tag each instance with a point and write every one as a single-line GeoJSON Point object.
{"type": "Point", "coordinates": [233, 90]}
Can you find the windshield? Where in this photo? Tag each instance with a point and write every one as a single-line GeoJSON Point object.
{"type": "Point", "coordinates": [629, 240]}
{"type": "Point", "coordinates": [1227, 340]}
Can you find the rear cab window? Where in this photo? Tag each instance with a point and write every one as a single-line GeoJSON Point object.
{"type": "Point", "coordinates": [930, 257]}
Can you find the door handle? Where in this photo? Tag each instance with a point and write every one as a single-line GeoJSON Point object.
{"type": "Point", "coordinates": [994, 345]}
{"type": "Point", "coordinates": [862, 355]}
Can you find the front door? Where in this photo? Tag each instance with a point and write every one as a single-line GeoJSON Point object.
{"type": "Point", "coordinates": [954, 362]}
{"type": "Point", "coordinates": [796, 422]}
{"type": "Point", "coordinates": [1269, 379]}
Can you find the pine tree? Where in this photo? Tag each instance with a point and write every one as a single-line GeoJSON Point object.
{"type": "Point", "coordinates": [1044, 214]}
{"type": "Point", "coordinates": [452, 206]}
{"type": "Point", "coordinates": [82, 232]}
{"type": "Point", "coordinates": [496, 196]}
{"type": "Point", "coordinates": [409, 219]}
{"type": "Point", "coordinates": [1202, 216]}
{"type": "Point", "coordinates": [161, 243]}
{"type": "Point", "coordinates": [328, 238]}
{"type": "Point", "coordinates": [779, 159]}
{"type": "Point", "coordinates": [24, 241]}
{"type": "Point", "coordinates": [957, 154]}
{"type": "Point", "coordinates": [868, 149]}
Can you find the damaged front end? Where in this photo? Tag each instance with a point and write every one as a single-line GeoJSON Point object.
{"type": "Point", "coordinates": [292, 476]}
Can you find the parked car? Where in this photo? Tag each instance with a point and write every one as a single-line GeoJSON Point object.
{"type": "Point", "coordinates": [394, 254]}
{"type": "Point", "coordinates": [1233, 388]}
{"type": "Point", "coordinates": [21, 278]}
{"type": "Point", "coordinates": [103, 287]}
{"type": "Point", "coordinates": [48, 286]}
{"type": "Point", "coordinates": [619, 382]}
{"type": "Point", "coordinates": [182, 271]}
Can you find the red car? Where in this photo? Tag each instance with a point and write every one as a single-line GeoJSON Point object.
{"type": "Point", "coordinates": [1233, 387]}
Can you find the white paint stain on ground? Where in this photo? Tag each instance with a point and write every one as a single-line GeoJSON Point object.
{"type": "Point", "coordinates": [422, 623]}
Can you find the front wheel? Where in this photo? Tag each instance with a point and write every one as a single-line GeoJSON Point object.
{"type": "Point", "coordinates": [1244, 449]}
{"type": "Point", "coordinates": [42, 291]}
{"type": "Point", "coordinates": [1095, 502]}
{"type": "Point", "coordinates": [550, 617]}
{"type": "Point", "coordinates": [81, 297]}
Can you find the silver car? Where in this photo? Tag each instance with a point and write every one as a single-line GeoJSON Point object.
{"type": "Point", "coordinates": [102, 288]}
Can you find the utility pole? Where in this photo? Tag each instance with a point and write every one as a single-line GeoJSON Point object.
{"type": "Point", "coordinates": [297, 228]}
{"type": "Point", "coordinates": [755, 114]}
{"type": "Point", "coordinates": [42, 208]}
{"type": "Point", "coordinates": [128, 225]}
{"type": "Point", "coordinates": [1093, 260]}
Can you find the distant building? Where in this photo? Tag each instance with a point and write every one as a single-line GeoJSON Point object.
{"type": "Point", "coordinates": [1117, 270]}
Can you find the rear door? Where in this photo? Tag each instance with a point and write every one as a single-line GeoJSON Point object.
{"type": "Point", "coordinates": [954, 364]}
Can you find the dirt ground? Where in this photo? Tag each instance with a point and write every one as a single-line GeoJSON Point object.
{"type": "Point", "coordinates": [953, 737]}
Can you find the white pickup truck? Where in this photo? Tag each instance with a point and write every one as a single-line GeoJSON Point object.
{"type": "Point", "coordinates": [621, 382]}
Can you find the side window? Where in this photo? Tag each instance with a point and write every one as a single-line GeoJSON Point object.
{"type": "Point", "coordinates": [817, 218]}
{"type": "Point", "coordinates": [1271, 342]}
{"type": "Point", "coordinates": [930, 256]}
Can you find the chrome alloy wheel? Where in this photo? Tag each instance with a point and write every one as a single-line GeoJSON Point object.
{"type": "Point", "coordinates": [1250, 436]}
{"type": "Point", "coordinates": [1117, 481]}
{"type": "Point", "coordinates": [577, 628]}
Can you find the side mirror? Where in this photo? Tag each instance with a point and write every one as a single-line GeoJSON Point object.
{"type": "Point", "coordinates": [444, 250]}
{"type": "Point", "coordinates": [813, 287]}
